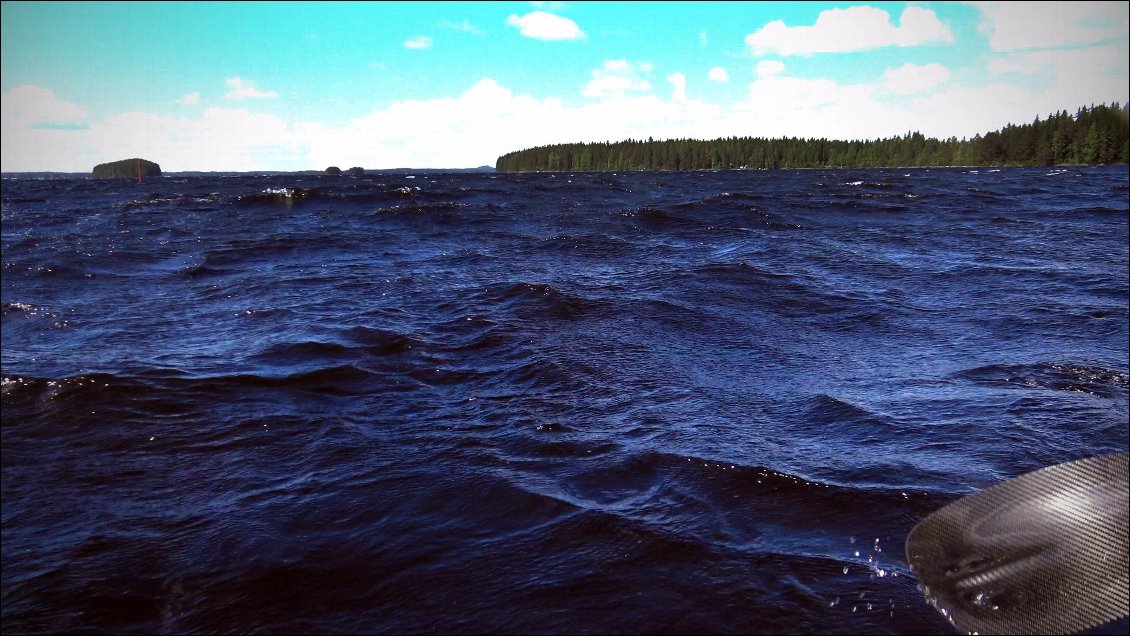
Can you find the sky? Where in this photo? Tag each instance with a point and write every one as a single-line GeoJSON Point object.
{"type": "Point", "coordinates": [248, 86]}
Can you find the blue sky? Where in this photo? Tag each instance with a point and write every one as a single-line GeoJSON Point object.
{"type": "Point", "coordinates": [288, 86]}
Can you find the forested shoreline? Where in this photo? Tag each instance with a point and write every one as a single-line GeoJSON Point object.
{"type": "Point", "coordinates": [1093, 135]}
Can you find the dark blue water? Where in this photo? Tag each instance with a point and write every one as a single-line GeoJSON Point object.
{"type": "Point", "coordinates": [590, 403]}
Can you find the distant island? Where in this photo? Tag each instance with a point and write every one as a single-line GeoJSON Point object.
{"type": "Point", "coordinates": [126, 168]}
{"type": "Point", "coordinates": [1095, 135]}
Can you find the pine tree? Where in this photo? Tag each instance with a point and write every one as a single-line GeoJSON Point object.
{"type": "Point", "coordinates": [1092, 149]}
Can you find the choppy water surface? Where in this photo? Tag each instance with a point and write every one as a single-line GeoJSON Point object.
{"type": "Point", "coordinates": [588, 403]}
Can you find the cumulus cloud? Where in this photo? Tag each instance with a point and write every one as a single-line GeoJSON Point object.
{"type": "Point", "coordinates": [37, 107]}
{"type": "Point", "coordinates": [190, 99]}
{"type": "Point", "coordinates": [242, 89]}
{"type": "Point", "coordinates": [617, 77]}
{"type": "Point", "coordinates": [964, 111]}
{"type": "Point", "coordinates": [1072, 77]}
{"type": "Point", "coordinates": [852, 29]}
{"type": "Point", "coordinates": [218, 139]}
{"type": "Point", "coordinates": [679, 82]}
{"type": "Point", "coordinates": [418, 42]}
{"type": "Point", "coordinates": [540, 25]}
{"type": "Point", "coordinates": [214, 139]}
{"type": "Point", "coordinates": [35, 129]}
{"type": "Point", "coordinates": [1018, 26]}
{"type": "Point", "coordinates": [912, 78]}
{"type": "Point", "coordinates": [1101, 61]}
{"type": "Point", "coordinates": [489, 120]}
{"type": "Point", "coordinates": [468, 129]}
{"type": "Point", "coordinates": [435, 132]}
{"type": "Point", "coordinates": [769, 68]}
{"type": "Point", "coordinates": [783, 106]}
{"type": "Point", "coordinates": [719, 74]}
{"type": "Point", "coordinates": [798, 94]}
{"type": "Point", "coordinates": [1014, 64]}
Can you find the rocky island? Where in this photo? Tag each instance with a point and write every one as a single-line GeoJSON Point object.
{"type": "Point", "coordinates": [126, 168]}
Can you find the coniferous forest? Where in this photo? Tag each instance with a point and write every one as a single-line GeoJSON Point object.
{"type": "Point", "coordinates": [1095, 135]}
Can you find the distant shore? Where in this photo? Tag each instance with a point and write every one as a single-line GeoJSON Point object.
{"type": "Point", "coordinates": [1093, 135]}
{"type": "Point", "coordinates": [409, 171]}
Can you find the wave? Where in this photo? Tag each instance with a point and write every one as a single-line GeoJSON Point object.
{"type": "Point", "coordinates": [768, 220]}
{"type": "Point", "coordinates": [284, 196]}
{"type": "Point", "coordinates": [425, 211]}
{"type": "Point", "coordinates": [657, 218]}
{"type": "Point", "coordinates": [380, 342]}
{"type": "Point", "coordinates": [784, 293]}
{"type": "Point", "coordinates": [209, 201]}
{"type": "Point", "coordinates": [825, 409]}
{"type": "Point", "coordinates": [735, 197]}
{"type": "Point", "coordinates": [272, 250]}
{"type": "Point", "coordinates": [743, 272]}
{"type": "Point", "coordinates": [164, 389]}
{"type": "Point", "coordinates": [290, 196]}
{"type": "Point", "coordinates": [582, 245]}
{"type": "Point", "coordinates": [722, 212]}
{"type": "Point", "coordinates": [1095, 380]}
{"type": "Point", "coordinates": [537, 301]}
{"type": "Point", "coordinates": [8, 199]}
{"type": "Point", "coordinates": [1100, 210]}
{"type": "Point", "coordinates": [25, 309]}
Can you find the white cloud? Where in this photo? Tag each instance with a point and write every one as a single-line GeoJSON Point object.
{"type": "Point", "coordinates": [769, 68]}
{"type": "Point", "coordinates": [418, 42]}
{"type": "Point", "coordinates": [921, 26]}
{"type": "Point", "coordinates": [782, 106]}
{"type": "Point", "coordinates": [679, 81]}
{"type": "Point", "coordinates": [1072, 78]}
{"type": "Point", "coordinates": [219, 139]}
{"type": "Point", "coordinates": [464, 26]}
{"type": "Point", "coordinates": [214, 139]}
{"type": "Point", "coordinates": [469, 129]}
{"type": "Point", "coordinates": [241, 90]}
{"type": "Point", "coordinates": [37, 107]}
{"type": "Point", "coordinates": [438, 132]}
{"type": "Point", "coordinates": [489, 120]}
{"type": "Point", "coordinates": [1019, 25]}
{"type": "Point", "coordinates": [618, 77]}
{"type": "Point", "coordinates": [1012, 65]}
{"type": "Point", "coordinates": [852, 29]}
{"type": "Point", "coordinates": [912, 78]}
{"type": "Point", "coordinates": [545, 26]}
{"type": "Point", "coordinates": [719, 74]}
{"type": "Point", "coordinates": [964, 112]}
{"type": "Point", "coordinates": [34, 128]}
{"type": "Point", "coordinates": [190, 99]}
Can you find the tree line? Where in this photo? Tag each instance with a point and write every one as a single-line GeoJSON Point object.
{"type": "Point", "coordinates": [1094, 135]}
